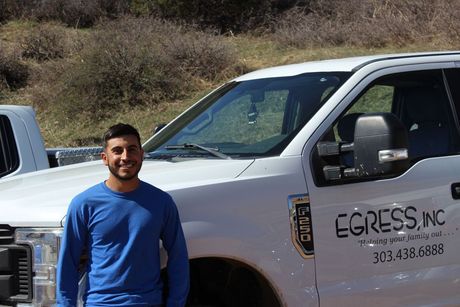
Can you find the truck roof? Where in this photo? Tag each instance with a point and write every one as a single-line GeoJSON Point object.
{"type": "Point", "coordinates": [345, 64]}
{"type": "Point", "coordinates": [21, 109]}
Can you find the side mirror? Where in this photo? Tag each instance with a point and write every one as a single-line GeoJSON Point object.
{"type": "Point", "coordinates": [380, 145]}
{"type": "Point", "coordinates": [379, 148]}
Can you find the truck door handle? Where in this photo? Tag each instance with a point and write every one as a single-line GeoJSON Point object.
{"type": "Point", "coordinates": [455, 188]}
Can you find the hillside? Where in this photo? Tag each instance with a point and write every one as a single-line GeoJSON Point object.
{"type": "Point", "coordinates": [146, 71]}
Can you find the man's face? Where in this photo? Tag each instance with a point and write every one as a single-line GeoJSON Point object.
{"type": "Point", "coordinates": [123, 155]}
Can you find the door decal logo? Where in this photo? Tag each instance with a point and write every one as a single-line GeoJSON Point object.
{"type": "Point", "coordinates": [301, 225]}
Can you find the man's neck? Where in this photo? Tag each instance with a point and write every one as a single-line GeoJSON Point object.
{"type": "Point", "coordinates": [118, 185]}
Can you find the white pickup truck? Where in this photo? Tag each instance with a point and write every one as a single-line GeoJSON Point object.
{"type": "Point", "coordinates": [329, 183]}
{"type": "Point", "coordinates": [22, 147]}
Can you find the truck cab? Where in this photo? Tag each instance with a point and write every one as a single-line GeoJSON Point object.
{"type": "Point", "coordinates": [22, 146]}
{"type": "Point", "coordinates": [328, 183]}
{"type": "Point", "coordinates": [23, 149]}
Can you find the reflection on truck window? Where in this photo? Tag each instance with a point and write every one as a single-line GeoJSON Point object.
{"type": "Point", "coordinates": [251, 118]}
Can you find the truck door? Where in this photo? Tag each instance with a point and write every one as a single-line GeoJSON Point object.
{"type": "Point", "coordinates": [390, 239]}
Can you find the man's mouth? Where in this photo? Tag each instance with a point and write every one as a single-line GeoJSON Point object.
{"type": "Point", "coordinates": [127, 165]}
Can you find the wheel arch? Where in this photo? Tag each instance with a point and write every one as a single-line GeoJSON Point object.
{"type": "Point", "coordinates": [229, 282]}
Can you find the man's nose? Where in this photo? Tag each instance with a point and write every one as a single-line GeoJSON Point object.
{"type": "Point", "coordinates": [124, 154]}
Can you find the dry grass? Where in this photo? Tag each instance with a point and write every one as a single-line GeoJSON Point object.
{"type": "Point", "coordinates": [49, 41]}
{"type": "Point", "coordinates": [147, 71]}
{"type": "Point", "coordinates": [369, 23]}
{"type": "Point", "coordinates": [74, 13]}
{"type": "Point", "coordinates": [134, 68]}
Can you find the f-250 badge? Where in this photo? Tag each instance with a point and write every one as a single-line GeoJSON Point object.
{"type": "Point", "coordinates": [301, 225]}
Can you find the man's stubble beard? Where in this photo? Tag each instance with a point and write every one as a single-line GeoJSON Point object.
{"type": "Point", "coordinates": [121, 178]}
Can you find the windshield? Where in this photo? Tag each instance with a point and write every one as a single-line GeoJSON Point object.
{"type": "Point", "coordinates": [246, 119]}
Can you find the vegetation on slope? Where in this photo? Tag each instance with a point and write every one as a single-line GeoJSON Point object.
{"type": "Point", "coordinates": [85, 65]}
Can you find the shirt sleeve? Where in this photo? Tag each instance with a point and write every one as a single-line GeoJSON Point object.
{"type": "Point", "coordinates": [178, 265]}
{"type": "Point", "coordinates": [73, 240]}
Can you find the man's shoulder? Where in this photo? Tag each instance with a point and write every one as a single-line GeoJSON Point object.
{"type": "Point", "coordinates": [89, 193]}
{"type": "Point", "coordinates": [151, 189]}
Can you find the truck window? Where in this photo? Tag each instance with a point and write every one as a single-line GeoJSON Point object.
{"type": "Point", "coordinates": [378, 98]}
{"type": "Point", "coordinates": [420, 100]}
{"type": "Point", "coordinates": [9, 159]}
{"type": "Point", "coordinates": [247, 119]}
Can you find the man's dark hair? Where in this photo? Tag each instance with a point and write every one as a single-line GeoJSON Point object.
{"type": "Point", "coordinates": [119, 130]}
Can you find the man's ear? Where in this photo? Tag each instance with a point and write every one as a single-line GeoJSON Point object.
{"type": "Point", "coordinates": [104, 158]}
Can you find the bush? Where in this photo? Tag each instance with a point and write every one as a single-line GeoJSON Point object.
{"type": "Point", "coordinates": [327, 24]}
{"type": "Point", "coordinates": [142, 7]}
{"type": "Point", "coordinates": [119, 68]}
{"type": "Point", "coordinates": [367, 23]}
{"type": "Point", "coordinates": [139, 61]}
{"type": "Point", "coordinates": [75, 13]}
{"type": "Point", "coordinates": [200, 54]}
{"type": "Point", "coordinates": [13, 74]}
{"type": "Point", "coordinates": [46, 84]}
{"type": "Point", "coordinates": [421, 20]}
{"type": "Point", "coordinates": [224, 15]}
{"type": "Point", "coordinates": [46, 42]}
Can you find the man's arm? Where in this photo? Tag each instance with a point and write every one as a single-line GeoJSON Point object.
{"type": "Point", "coordinates": [73, 240]}
{"type": "Point", "coordinates": [178, 266]}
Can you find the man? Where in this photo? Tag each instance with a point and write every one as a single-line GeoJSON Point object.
{"type": "Point", "coordinates": [119, 222]}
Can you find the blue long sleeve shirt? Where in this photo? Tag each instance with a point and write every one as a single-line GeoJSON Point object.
{"type": "Point", "coordinates": [121, 232]}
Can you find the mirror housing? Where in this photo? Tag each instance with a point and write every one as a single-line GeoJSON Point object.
{"type": "Point", "coordinates": [380, 145]}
